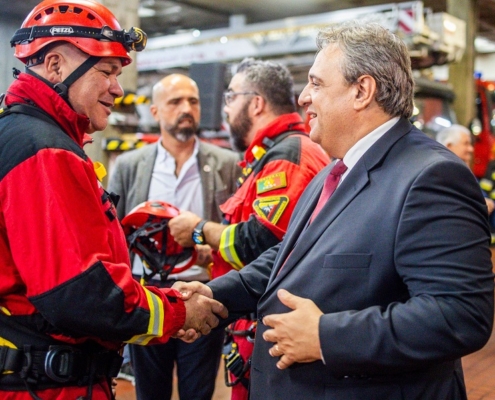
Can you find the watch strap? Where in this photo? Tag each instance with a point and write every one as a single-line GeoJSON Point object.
{"type": "Point", "coordinates": [198, 234]}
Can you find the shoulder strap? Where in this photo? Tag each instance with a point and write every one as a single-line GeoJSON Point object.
{"type": "Point", "coordinates": [27, 110]}
{"type": "Point", "coordinates": [258, 164]}
{"type": "Point", "coordinates": [269, 143]}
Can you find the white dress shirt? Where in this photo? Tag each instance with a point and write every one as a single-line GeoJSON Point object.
{"type": "Point", "coordinates": [184, 191]}
{"type": "Point", "coordinates": [362, 145]}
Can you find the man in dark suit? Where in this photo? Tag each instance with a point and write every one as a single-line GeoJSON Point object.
{"type": "Point", "coordinates": [390, 284]}
{"type": "Point", "coordinates": [192, 175]}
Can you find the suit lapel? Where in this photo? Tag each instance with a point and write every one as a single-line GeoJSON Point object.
{"type": "Point", "coordinates": [144, 174]}
{"type": "Point", "coordinates": [299, 241]}
{"type": "Point", "coordinates": [345, 193]}
{"type": "Point", "coordinates": [300, 219]}
{"type": "Point", "coordinates": [207, 181]}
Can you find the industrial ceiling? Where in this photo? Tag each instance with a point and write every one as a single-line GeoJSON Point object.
{"type": "Point", "coordinates": [165, 17]}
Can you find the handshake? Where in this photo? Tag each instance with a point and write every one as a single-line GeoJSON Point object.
{"type": "Point", "coordinates": [202, 311]}
{"type": "Point", "coordinates": [295, 334]}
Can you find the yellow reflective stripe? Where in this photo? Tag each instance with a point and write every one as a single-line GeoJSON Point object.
{"type": "Point", "coordinates": [227, 249]}
{"type": "Point", "coordinates": [5, 311]}
{"type": "Point", "coordinates": [155, 326]}
{"type": "Point", "coordinates": [5, 342]}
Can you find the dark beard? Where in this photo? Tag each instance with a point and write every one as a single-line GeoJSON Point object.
{"type": "Point", "coordinates": [183, 134]}
{"type": "Point", "coordinates": [239, 129]}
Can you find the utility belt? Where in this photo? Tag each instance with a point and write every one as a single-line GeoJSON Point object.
{"type": "Point", "coordinates": [233, 361]}
{"type": "Point", "coordinates": [58, 366]}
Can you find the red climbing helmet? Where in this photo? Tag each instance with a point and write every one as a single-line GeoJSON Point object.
{"type": "Point", "coordinates": [86, 24]}
{"type": "Point", "coordinates": [148, 236]}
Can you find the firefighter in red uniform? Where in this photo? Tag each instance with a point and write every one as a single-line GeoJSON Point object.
{"type": "Point", "coordinates": [280, 160]}
{"type": "Point", "coordinates": [67, 297]}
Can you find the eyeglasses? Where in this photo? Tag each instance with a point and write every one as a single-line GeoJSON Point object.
{"type": "Point", "coordinates": [229, 97]}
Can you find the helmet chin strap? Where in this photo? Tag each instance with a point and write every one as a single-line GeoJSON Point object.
{"type": "Point", "coordinates": [62, 88]}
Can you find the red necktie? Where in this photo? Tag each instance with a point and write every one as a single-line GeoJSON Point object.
{"type": "Point", "coordinates": [331, 182]}
{"type": "Point", "coordinates": [329, 186]}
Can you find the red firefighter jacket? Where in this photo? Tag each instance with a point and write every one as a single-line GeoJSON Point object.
{"type": "Point", "coordinates": [64, 264]}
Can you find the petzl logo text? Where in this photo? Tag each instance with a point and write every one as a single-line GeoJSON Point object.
{"type": "Point", "coordinates": [60, 30]}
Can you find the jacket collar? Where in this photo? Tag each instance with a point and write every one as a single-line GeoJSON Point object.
{"type": "Point", "coordinates": [284, 123]}
{"type": "Point", "coordinates": [29, 90]}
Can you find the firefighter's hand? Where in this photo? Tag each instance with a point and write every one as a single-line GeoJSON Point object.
{"type": "Point", "coordinates": [202, 313]}
{"type": "Point", "coordinates": [188, 336]}
{"type": "Point", "coordinates": [182, 226]}
{"type": "Point", "coordinates": [204, 255]}
{"type": "Point", "coordinates": [295, 334]}
{"type": "Point", "coordinates": [187, 289]}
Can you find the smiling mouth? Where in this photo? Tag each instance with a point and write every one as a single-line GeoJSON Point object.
{"type": "Point", "coordinates": [106, 104]}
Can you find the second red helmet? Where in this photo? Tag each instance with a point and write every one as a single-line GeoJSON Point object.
{"type": "Point", "coordinates": [148, 236]}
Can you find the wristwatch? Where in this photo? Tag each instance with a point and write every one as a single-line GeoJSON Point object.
{"type": "Point", "coordinates": [198, 236]}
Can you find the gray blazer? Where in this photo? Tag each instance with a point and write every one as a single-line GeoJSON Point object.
{"type": "Point", "coordinates": [131, 177]}
{"type": "Point", "coordinates": [398, 260]}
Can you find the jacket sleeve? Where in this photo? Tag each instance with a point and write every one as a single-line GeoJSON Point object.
{"type": "Point", "coordinates": [71, 255]}
{"type": "Point", "coordinates": [240, 291]}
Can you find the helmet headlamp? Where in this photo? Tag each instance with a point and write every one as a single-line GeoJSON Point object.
{"type": "Point", "coordinates": [135, 39]}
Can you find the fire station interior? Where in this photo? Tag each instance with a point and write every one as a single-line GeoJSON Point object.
{"type": "Point", "coordinates": [452, 46]}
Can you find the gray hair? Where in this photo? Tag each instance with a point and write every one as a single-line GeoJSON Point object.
{"type": "Point", "coordinates": [452, 134]}
{"type": "Point", "coordinates": [370, 49]}
{"type": "Point", "coordinates": [270, 80]}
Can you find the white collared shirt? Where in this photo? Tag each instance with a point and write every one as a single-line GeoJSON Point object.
{"type": "Point", "coordinates": [354, 154]}
{"type": "Point", "coordinates": [184, 191]}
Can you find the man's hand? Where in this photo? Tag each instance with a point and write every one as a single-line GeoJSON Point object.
{"type": "Point", "coordinates": [204, 255]}
{"type": "Point", "coordinates": [182, 227]}
{"type": "Point", "coordinates": [202, 312]}
{"type": "Point", "coordinates": [187, 289]}
{"type": "Point", "coordinates": [295, 333]}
